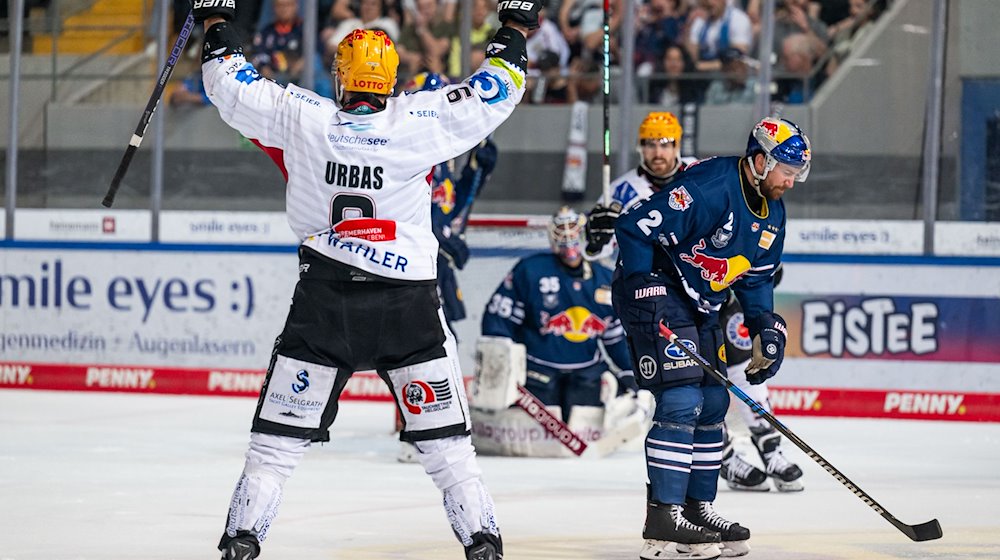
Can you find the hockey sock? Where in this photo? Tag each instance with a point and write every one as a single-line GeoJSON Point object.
{"type": "Point", "coordinates": [451, 463]}
{"type": "Point", "coordinates": [705, 464]}
{"type": "Point", "coordinates": [668, 461]}
{"type": "Point", "coordinates": [270, 461]}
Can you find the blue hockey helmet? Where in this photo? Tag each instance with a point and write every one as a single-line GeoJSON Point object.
{"type": "Point", "coordinates": [426, 81]}
{"type": "Point", "coordinates": [782, 141]}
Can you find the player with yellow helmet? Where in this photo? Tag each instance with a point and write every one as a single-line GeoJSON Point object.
{"type": "Point", "coordinates": [357, 197]}
{"type": "Point", "coordinates": [658, 144]}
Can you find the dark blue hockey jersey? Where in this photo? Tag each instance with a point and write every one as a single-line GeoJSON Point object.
{"type": "Point", "coordinates": [703, 229]}
{"type": "Point", "coordinates": [559, 317]}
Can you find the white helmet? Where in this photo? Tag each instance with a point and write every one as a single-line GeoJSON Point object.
{"type": "Point", "coordinates": [566, 233]}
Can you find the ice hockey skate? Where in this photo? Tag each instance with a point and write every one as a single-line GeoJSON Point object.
{"type": "Point", "coordinates": [735, 537]}
{"type": "Point", "coordinates": [739, 474]}
{"type": "Point", "coordinates": [784, 473]}
{"type": "Point", "coordinates": [670, 536]}
{"type": "Point", "coordinates": [243, 546]}
{"type": "Point", "coordinates": [485, 546]}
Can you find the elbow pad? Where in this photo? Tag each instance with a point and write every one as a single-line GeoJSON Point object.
{"type": "Point", "coordinates": [222, 39]}
{"type": "Point", "coordinates": [510, 46]}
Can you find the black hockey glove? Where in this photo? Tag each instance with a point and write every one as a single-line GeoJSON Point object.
{"type": "Point", "coordinates": [769, 334]}
{"type": "Point", "coordinates": [601, 226]}
{"type": "Point", "coordinates": [205, 9]}
{"type": "Point", "coordinates": [627, 384]}
{"type": "Point", "coordinates": [521, 12]}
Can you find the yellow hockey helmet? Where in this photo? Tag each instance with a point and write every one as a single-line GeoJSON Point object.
{"type": "Point", "coordinates": [367, 62]}
{"type": "Point", "coordinates": [660, 124]}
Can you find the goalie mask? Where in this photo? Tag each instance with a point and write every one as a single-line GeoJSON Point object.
{"type": "Point", "coordinates": [566, 235]}
{"type": "Point", "coordinates": [659, 141]}
{"type": "Point", "coordinates": [781, 141]}
{"type": "Point", "coordinates": [366, 63]}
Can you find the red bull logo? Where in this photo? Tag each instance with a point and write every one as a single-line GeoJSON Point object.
{"type": "Point", "coordinates": [771, 127]}
{"type": "Point", "coordinates": [576, 324]}
{"type": "Point", "coordinates": [720, 272]}
{"type": "Point", "coordinates": [444, 195]}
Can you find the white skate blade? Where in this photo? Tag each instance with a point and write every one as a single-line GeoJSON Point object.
{"type": "Point", "coordinates": [762, 487]}
{"type": "Point", "coordinates": [730, 549]}
{"type": "Point", "coordinates": [665, 550]}
{"type": "Point", "coordinates": [791, 486]}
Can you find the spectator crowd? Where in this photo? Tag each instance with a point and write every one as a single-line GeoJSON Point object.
{"type": "Point", "coordinates": [685, 51]}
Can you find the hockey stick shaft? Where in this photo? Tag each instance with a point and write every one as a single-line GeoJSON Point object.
{"type": "Point", "coordinates": [554, 426]}
{"type": "Point", "coordinates": [606, 165]}
{"type": "Point", "coordinates": [922, 532]}
{"type": "Point", "coordinates": [147, 113]}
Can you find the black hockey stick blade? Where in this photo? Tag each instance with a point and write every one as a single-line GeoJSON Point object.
{"type": "Point", "coordinates": [923, 532]}
{"type": "Point", "coordinates": [147, 113]}
{"type": "Point", "coordinates": [919, 533]}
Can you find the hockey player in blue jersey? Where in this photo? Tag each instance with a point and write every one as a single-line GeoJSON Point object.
{"type": "Point", "coordinates": [720, 225]}
{"type": "Point", "coordinates": [452, 200]}
{"type": "Point", "coordinates": [559, 306]}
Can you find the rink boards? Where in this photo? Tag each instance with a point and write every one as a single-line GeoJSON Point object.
{"type": "Point", "coordinates": [875, 330]}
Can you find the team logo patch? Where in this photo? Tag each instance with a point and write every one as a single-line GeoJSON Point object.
{"type": "Point", "coordinates": [427, 396]}
{"type": "Point", "coordinates": [488, 87]}
{"type": "Point", "coordinates": [737, 333]}
{"type": "Point", "coordinates": [755, 227]}
{"type": "Point", "coordinates": [647, 367]}
{"type": "Point", "coordinates": [680, 199]}
{"type": "Point", "coordinates": [675, 353]}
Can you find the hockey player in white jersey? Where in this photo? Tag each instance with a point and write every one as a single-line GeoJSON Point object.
{"type": "Point", "coordinates": [358, 197]}
{"type": "Point", "coordinates": [738, 473]}
{"type": "Point", "coordinates": [659, 147]}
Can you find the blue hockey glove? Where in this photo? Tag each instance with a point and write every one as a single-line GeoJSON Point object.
{"type": "Point", "coordinates": [769, 335]}
{"type": "Point", "coordinates": [485, 156]}
{"type": "Point", "coordinates": [205, 9]}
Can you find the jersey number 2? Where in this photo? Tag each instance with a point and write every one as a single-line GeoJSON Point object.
{"type": "Point", "coordinates": [652, 220]}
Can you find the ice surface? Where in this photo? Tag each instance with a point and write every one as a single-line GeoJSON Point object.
{"type": "Point", "coordinates": [123, 476]}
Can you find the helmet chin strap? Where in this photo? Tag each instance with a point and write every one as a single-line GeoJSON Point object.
{"type": "Point", "coordinates": [768, 166]}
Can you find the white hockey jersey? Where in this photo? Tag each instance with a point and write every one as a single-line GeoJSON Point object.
{"type": "Point", "coordinates": [628, 190]}
{"type": "Point", "coordinates": [358, 185]}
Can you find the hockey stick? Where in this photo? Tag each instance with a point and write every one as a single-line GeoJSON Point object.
{"type": "Point", "coordinates": [480, 179]}
{"type": "Point", "coordinates": [922, 532]}
{"type": "Point", "coordinates": [147, 113]}
{"type": "Point", "coordinates": [554, 426]}
{"type": "Point", "coordinates": [606, 165]}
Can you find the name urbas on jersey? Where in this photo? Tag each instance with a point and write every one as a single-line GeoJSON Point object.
{"type": "Point", "coordinates": [354, 176]}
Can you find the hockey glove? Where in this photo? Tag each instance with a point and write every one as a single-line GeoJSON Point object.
{"type": "Point", "coordinates": [205, 9]}
{"type": "Point", "coordinates": [601, 226]}
{"type": "Point", "coordinates": [627, 384]}
{"type": "Point", "coordinates": [485, 156]}
{"type": "Point", "coordinates": [769, 334]}
{"type": "Point", "coordinates": [520, 12]}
